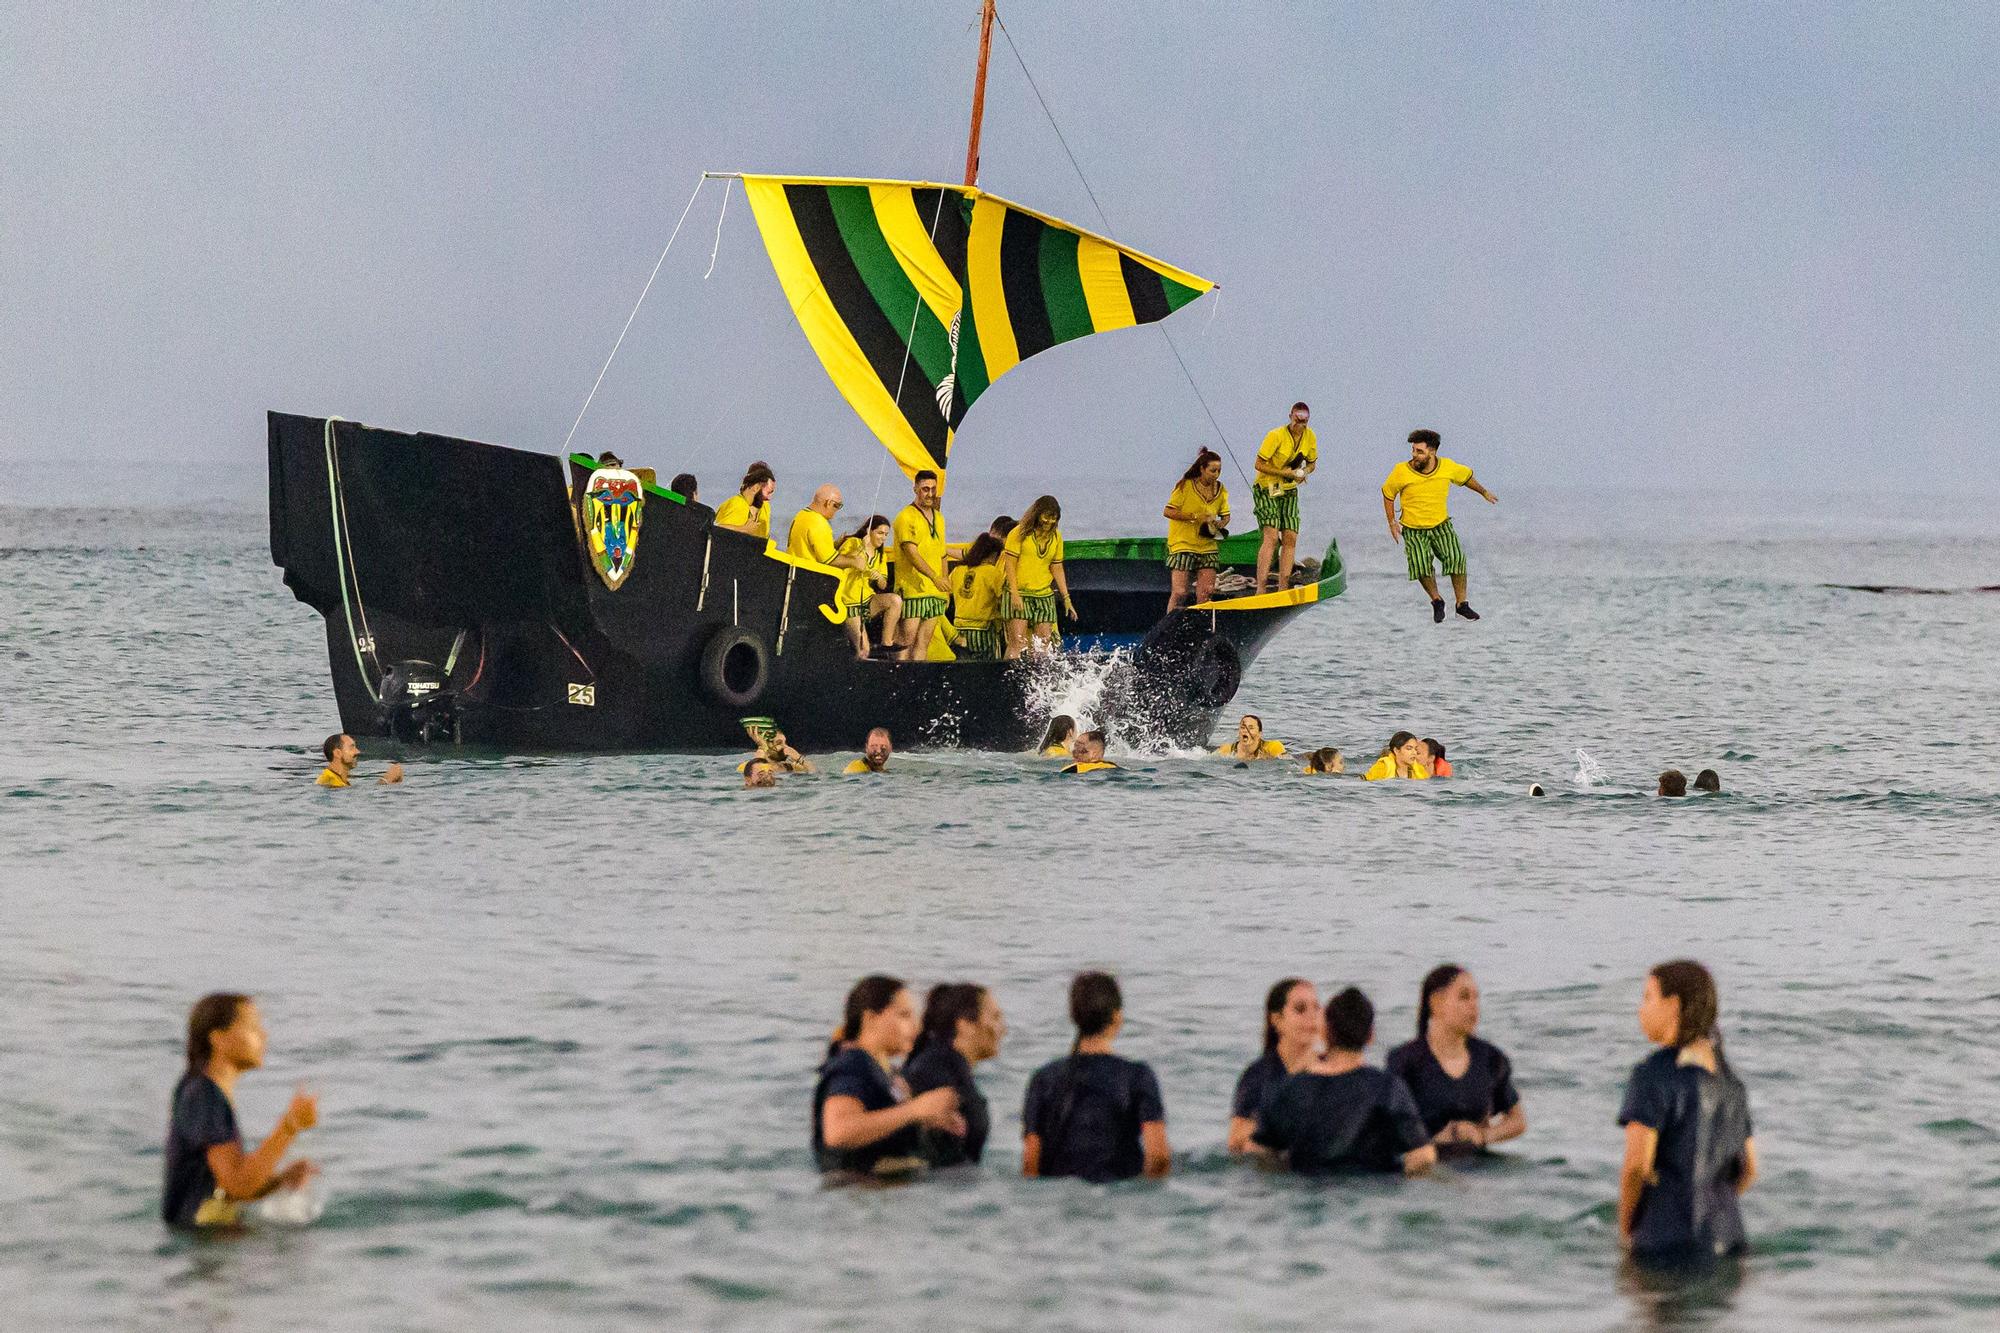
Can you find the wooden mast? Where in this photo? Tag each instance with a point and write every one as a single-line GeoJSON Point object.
{"type": "Point", "coordinates": [979, 94]}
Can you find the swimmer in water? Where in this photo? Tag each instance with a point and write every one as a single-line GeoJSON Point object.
{"type": "Point", "coordinates": [875, 755]}
{"type": "Point", "coordinates": [1094, 1115]}
{"type": "Point", "coordinates": [1340, 1114]}
{"type": "Point", "coordinates": [1689, 1150]}
{"type": "Point", "coordinates": [759, 772]}
{"type": "Point", "coordinates": [1087, 753]}
{"type": "Point", "coordinates": [1062, 730]}
{"type": "Point", "coordinates": [1535, 789]}
{"type": "Point", "coordinates": [1250, 743]}
{"type": "Point", "coordinates": [865, 1121]}
{"type": "Point", "coordinates": [341, 755]}
{"type": "Point", "coordinates": [1434, 761]}
{"type": "Point", "coordinates": [1325, 760]}
{"type": "Point", "coordinates": [1673, 782]}
{"type": "Point", "coordinates": [962, 1026]}
{"type": "Point", "coordinates": [1464, 1087]}
{"type": "Point", "coordinates": [208, 1175]}
{"type": "Point", "coordinates": [1708, 780]}
{"type": "Point", "coordinates": [1294, 1029]}
{"type": "Point", "coordinates": [1402, 757]}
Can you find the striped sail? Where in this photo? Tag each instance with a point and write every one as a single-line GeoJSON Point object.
{"type": "Point", "coordinates": [918, 296]}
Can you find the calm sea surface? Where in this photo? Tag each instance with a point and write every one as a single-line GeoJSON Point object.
{"type": "Point", "coordinates": [563, 1013]}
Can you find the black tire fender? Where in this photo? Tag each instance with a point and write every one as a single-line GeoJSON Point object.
{"type": "Point", "coordinates": [1214, 672]}
{"type": "Point", "coordinates": [735, 667]}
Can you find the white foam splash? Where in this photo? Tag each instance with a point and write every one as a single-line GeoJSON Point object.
{"type": "Point", "coordinates": [1589, 773]}
{"type": "Point", "coordinates": [1098, 690]}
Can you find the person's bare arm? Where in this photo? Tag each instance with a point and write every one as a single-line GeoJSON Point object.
{"type": "Point", "coordinates": [1419, 1160]}
{"type": "Point", "coordinates": [1472, 484]}
{"type": "Point", "coordinates": [922, 566]}
{"type": "Point", "coordinates": [845, 1124]}
{"type": "Point", "coordinates": [1153, 1139]}
{"type": "Point", "coordinates": [1010, 570]}
{"type": "Point", "coordinates": [1062, 586]}
{"type": "Point", "coordinates": [1641, 1143]}
{"type": "Point", "coordinates": [1389, 512]}
{"type": "Point", "coordinates": [1031, 1154]}
{"type": "Point", "coordinates": [1509, 1126]}
{"type": "Point", "coordinates": [393, 774]}
{"type": "Point", "coordinates": [1748, 1177]}
{"type": "Point", "coordinates": [243, 1175]}
{"type": "Point", "coordinates": [1241, 1127]}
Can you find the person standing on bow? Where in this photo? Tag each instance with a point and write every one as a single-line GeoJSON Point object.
{"type": "Point", "coordinates": [1289, 455]}
{"type": "Point", "coordinates": [920, 577]}
{"type": "Point", "coordinates": [1197, 515]}
{"type": "Point", "coordinates": [749, 510]}
{"type": "Point", "coordinates": [1428, 539]}
{"type": "Point", "coordinates": [1031, 565]}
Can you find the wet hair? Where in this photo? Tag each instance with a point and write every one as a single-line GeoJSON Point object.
{"type": "Point", "coordinates": [1274, 1004]}
{"type": "Point", "coordinates": [684, 485]}
{"type": "Point", "coordinates": [1301, 407]}
{"type": "Point", "coordinates": [759, 473]}
{"type": "Point", "coordinates": [752, 764]}
{"type": "Point", "coordinates": [1435, 980]}
{"type": "Point", "coordinates": [871, 995]}
{"type": "Point", "coordinates": [1689, 982]}
{"type": "Point", "coordinates": [1094, 1001]}
{"type": "Point", "coordinates": [1350, 1021]}
{"type": "Point", "coordinates": [1096, 736]}
{"type": "Point", "coordinates": [1201, 460]}
{"type": "Point", "coordinates": [1003, 525]}
{"type": "Point", "coordinates": [949, 1003]}
{"type": "Point", "coordinates": [211, 1014]}
{"type": "Point", "coordinates": [923, 473]}
{"type": "Point", "coordinates": [330, 744]}
{"type": "Point", "coordinates": [1323, 759]}
{"type": "Point", "coordinates": [985, 548]}
{"type": "Point", "coordinates": [1429, 437]}
{"type": "Point", "coordinates": [1708, 780]}
{"type": "Point", "coordinates": [1673, 782]}
{"type": "Point", "coordinates": [1045, 506]}
{"type": "Point", "coordinates": [874, 521]}
{"type": "Point", "coordinates": [1062, 727]}
{"type": "Point", "coordinates": [1398, 741]}
{"type": "Point", "coordinates": [1252, 717]}
{"type": "Point", "coordinates": [1436, 748]}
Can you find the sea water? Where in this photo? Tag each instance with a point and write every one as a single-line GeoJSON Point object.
{"type": "Point", "coordinates": [563, 1013]}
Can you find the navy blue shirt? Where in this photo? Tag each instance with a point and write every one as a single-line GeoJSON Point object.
{"type": "Point", "coordinates": [938, 1064]}
{"type": "Point", "coordinates": [1254, 1088]}
{"type": "Point", "coordinates": [200, 1118]}
{"type": "Point", "coordinates": [1485, 1090]}
{"type": "Point", "coordinates": [1363, 1120]}
{"type": "Point", "coordinates": [1703, 1121]}
{"type": "Point", "coordinates": [853, 1072]}
{"type": "Point", "coordinates": [1087, 1110]}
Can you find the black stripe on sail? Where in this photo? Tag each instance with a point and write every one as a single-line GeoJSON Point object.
{"type": "Point", "coordinates": [1021, 281]}
{"type": "Point", "coordinates": [947, 228]}
{"type": "Point", "coordinates": [1149, 298]}
{"type": "Point", "coordinates": [880, 341]}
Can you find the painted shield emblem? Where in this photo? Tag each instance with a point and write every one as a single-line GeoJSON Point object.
{"type": "Point", "coordinates": [614, 503]}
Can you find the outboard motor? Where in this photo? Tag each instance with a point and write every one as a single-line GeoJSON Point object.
{"type": "Point", "coordinates": [417, 706]}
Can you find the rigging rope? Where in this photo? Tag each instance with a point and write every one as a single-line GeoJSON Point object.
{"type": "Point", "coordinates": [716, 249]}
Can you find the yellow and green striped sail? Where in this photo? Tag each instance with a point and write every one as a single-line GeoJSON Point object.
{"type": "Point", "coordinates": [918, 296]}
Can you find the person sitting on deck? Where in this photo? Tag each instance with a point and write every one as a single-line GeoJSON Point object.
{"type": "Point", "coordinates": [1434, 759]}
{"type": "Point", "coordinates": [864, 587]}
{"type": "Point", "coordinates": [874, 755]}
{"type": "Point", "coordinates": [1250, 743]}
{"type": "Point", "coordinates": [1056, 741]}
{"type": "Point", "coordinates": [1197, 515]}
{"type": "Point", "coordinates": [1032, 565]}
{"type": "Point", "coordinates": [1402, 757]}
{"type": "Point", "coordinates": [975, 586]}
{"type": "Point", "coordinates": [1326, 760]}
{"type": "Point", "coordinates": [749, 510]}
{"type": "Point", "coordinates": [341, 755]}
{"type": "Point", "coordinates": [685, 486]}
{"type": "Point", "coordinates": [920, 576]}
{"type": "Point", "coordinates": [1087, 752]}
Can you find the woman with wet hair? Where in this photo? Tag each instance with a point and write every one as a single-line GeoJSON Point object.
{"type": "Point", "coordinates": [1092, 1114]}
{"type": "Point", "coordinates": [1464, 1086]}
{"type": "Point", "coordinates": [1402, 757]}
{"type": "Point", "coordinates": [963, 1025]}
{"type": "Point", "coordinates": [865, 1121]}
{"type": "Point", "coordinates": [1055, 742]}
{"type": "Point", "coordinates": [1250, 743]}
{"type": "Point", "coordinates": [1325, 761]}
{"type": "Point", "coordinates": [1689, 1150]}
{"type": "Point", "coordinates": [1294, 1028]}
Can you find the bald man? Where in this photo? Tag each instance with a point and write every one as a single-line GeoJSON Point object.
{"type": "Point", "coordinates": [811, 537]}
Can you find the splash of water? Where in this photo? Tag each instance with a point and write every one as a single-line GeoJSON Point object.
{"type": "Point", "coordinates": [1589, 773]}
{"type": "Point", "coordinates": [1103, 690]}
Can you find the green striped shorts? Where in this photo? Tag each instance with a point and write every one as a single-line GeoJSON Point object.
{"type": "Point", "coordinates": [859, 611]}
{"type": "Point", "coordinates": [1191, 560]}
{"type": "Point", "coordinates": [923, 608]}
{"type": "Point", "coordinates": [1040, 607]}
{"type": "Point", "coordinates": [1424, 547]}
{"type": "Point", "coordinates": [979, 645]}
{"type": "Point", "coordinates": [1280, 511]}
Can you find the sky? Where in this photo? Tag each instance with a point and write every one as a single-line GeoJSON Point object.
{"type": "Point", "coordinates": [1740, 247]}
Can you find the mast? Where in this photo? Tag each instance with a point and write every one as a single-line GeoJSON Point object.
{"type": "Point", "coordinates": [979, 93]}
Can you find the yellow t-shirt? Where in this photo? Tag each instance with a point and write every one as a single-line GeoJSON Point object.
{"type": "Point", "coordinates": [328, 778]}
{"type": "Point", "coordinates": [1186, 537]}
{"type": "Point", "coordinates": [1093, 766]}
{"type": "Point", "coordinates": [856, 585]}
{"type": "Point", "coordinates": [976, 589]}
{"type": "Point", "coordinates": [1281, 450]}
{"type": "Point", "coordinates": [927, 535]}
{"type": "Point", "coordinates": [1385, 767]}
{"type": "Point", "coordinates": [811, 537]}
{"type": "Point", "coordinates": [1270, 749]}
{"type": "Point", "coordinates": [1034, 561]}
{"type": "Point", "coordinates": [1424, 496]}
{"type": "Point", "coordinates": [736, 511]}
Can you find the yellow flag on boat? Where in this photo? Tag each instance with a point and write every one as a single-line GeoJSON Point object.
{"type": "Point", "coordinates": [918, 296]}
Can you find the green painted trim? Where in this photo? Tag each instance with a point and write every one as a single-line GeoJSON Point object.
{"type": "Point", "coordinates": [586, 461]}
{"type": "Point", "coordinates": [1239, 549]}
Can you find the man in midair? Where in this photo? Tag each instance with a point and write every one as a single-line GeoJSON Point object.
{"type": "Point", "coordinates": [1425, 530]}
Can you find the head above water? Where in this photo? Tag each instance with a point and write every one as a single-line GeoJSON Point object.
{"type": "Point", "coordinates": [1673, 782]}
{"type": "Point", "coordinates": [760, 772]}
{"type": "Point", "coordinates": [340, 751]}
{"type": "Point", "coordinates": [1404, 748]}
{"type": "Point", "coordinates": [1095, 1003]}
{"type": "Point", "coordinates": [879, 1016]}
{"type": "Point", "coordinates": [1449, 1001]}
{"type": "Point", "coordinates": [227, 1025]}
{"type": "Point", "coordinates": [1061, 728]}
{"type": "Point", "coordinates": [877, 750]}
{"type": "Point", "coordinates": [1326, 759]}
{"type": "Point", "coordinates": [1708, 780]}
{"type": "Point", "coordinates": [1680, 1004]}
{"type": "Point", "coordinates": [1350, 1022]}
{"type": "Point", "coordinates": [685, 486]}
{"type": "Point", "coordinates": [1432, 749]}
{"type": "Point", "coordinates": [1290, 1006]}
{"type": "Point", "coordinates": [965, 1016]}
{"type": "Point", "coordinates": [1250, 728]}
{"type": "Point", "coordinates": [1087, 747]}
{"type": "Point", "coordinates": [1207, 467]}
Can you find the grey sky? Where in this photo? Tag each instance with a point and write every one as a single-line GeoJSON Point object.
{"type": "Point", "coordinates": [1661, 245]}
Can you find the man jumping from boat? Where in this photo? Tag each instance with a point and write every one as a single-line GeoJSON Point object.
{"type": "Point", "coordinates": [920, 577]}
{"type": "Point", "coordinates": [1428, 539]}
{"type": "Point", "coordinates": [1289, 454]}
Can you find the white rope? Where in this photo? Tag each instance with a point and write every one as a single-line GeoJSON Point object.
{"type": "Point", "coordinates": [716, 249]}
{"type": "Point", "coordinates": [628, 324]}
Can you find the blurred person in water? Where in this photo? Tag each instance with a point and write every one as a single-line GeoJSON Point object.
{"type": "Point", "coordinates": [1056, 740]}
{"type": "Point", "coordinates": [1434, 761]}
{"type": "Point", "coordinates": [342, 754]}
{"type": "Point", "coordinates": [1341, 1114]}
{"type": "Point", "coordinates": [865, 1121]}
{"type": "Point", "coordinates": [1464, 1087]}
{"type": "Point", "coordinates": [1708, 780]}
{"type": "Point", "coordinates": [1689, 1147]}
{"type": "Point", "coordinates": [874, 755]}
{"type": "Point", "coordinates": [962, 1027]}
{"type": "Point", "coordinates": [208, 1174]}
{"type": "Point", "coordinates": [1673, 782]}
{"type": "Point", "coordinates": [1325, 761]}
{"type": "Point", "coordinates": [1087, 753]}
{"type": "Point", "coordinates": [1294, 1030]}
{"type": "Point", "coordinates": [1402, 757]}
{"type": "Point", "coordinates": [759, 772]}
{"type": "Point", "coordinates": [1250, 743]}
{"type": "Point", "coordinates": [1094, 1115]}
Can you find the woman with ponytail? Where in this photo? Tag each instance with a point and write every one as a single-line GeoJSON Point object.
{"type": "Point", "coordinates": [1294, 1029]}
{"type": "Point", "coordinates": [963, 1025]}
{"type": "Point", "coordinates": [1094, 1115]}
{"type": "Point", "coordinates": [208, 1174]}
{"type": "Point", "coordinates": [1197, 515]}
{"type": "Point", "coordinates": [864, 1119]}
{"type": "Point", "coordinates": [1689, 1151]}
{"type": "Point", "coordinates": [1464, 1086]}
